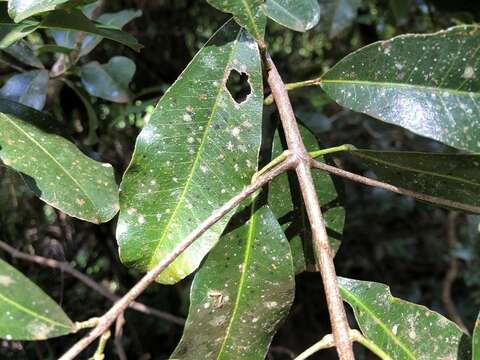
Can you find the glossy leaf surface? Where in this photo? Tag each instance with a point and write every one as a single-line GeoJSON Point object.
{"type": "Point", "coordinates": [476, 340]}
{"type": "Point", "coordinates": [337, 15]}
{"type": "Point", "coordinates": [197, 151]}
{"type": "Point", "coordinates": [286, 202]}
{"type": "Point", "coordinates": [22, 9]}
{"type": "Point", "coordinates": [243, 290]}
{"type": "Point", "coordinates": [53, 167]}
{"type": "Point", "coordinates": [401, 328]}
{"type": "Point", "coordinates": [22, 52]}
{"type": "Point", "coordinates": [10, 32]}
{"type": "Point", "coordinates": [454, 177]}
{"type": "Point", "coordinates": [293, 14]}
{"type": "Point", "coordinates": [428, 84]}
{"type": "Point", "coordinates": [247, 13]}
{"type": "Point", "coordinates": [76, 20]}
{"type": "Point", "coordinates": [26, 312]}
{"type": "Point", "coordinates": [109, 81]}
{"type": "Point", "coordinates": [28, 88]}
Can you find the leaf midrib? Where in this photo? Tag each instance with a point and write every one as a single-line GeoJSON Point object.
{"type": "Point", "coordinates": [378, 321]}
{"type": "Point", "coordinates": [196, 162]}
{"type": "Point", "coordinates": [400, 85]}
{"type": "Point", "coordinates": [33, 313]}
{"type": "Point", "coordinates": [251, 17]}
{"type": "Point", "coordinates": [241, 284]}
{"type": "Point", "coordinates": [406, 168]}
{"type": "Point", "coordinates": [55, 161]}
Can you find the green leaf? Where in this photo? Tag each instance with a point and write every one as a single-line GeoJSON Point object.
{"type": "Point", "coordinates": [75, 20]}
{"type": "Point", "coordinates": [286, 203]}
{"type": "Point", "coordinates": [26, 312]}
{"type": "Point", "coordinates": [28, 88]}
{"type": "Point", "coordinates": [402, 329]}
{"type": "Point", "coordinates": [11, 32]}
{"type": "Point", "coordinates": [22, 9]}
{"type": "Point", "coordinates": [476, 340]}
{"type": "Point", "coordinates": [338, 15]}
{"type": "Point", "coordinates": [293, 14]}
{"type": "Point", "coordinates": [247, 13]}
{"type": "Point", "coordinates": [197, 151]}
{"type": "Point", "coordinates": [241, 293]}
{"type": "Point", "coordinates": [22, 52]}
{"type": "Point", "coordinates": [428, 84]}
{"type": "Point", "coordinates": [454, 177]}
{"type": "Point", "coordinates": [109, 81]}
{"type": "Point", "coordinates": [50, 48]}
{"type": "Point", "coordinates": [53, 167]}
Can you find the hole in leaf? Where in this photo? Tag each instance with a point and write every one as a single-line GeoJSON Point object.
{"type": "Point", "coordinates": [238, 86]}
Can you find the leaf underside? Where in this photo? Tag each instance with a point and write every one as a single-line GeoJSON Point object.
{"type": "Point", "coordinates": [241, 293]}
{"type": "Point", "coordinates": [26, 312]}
{"type": "Point", "coordinates": [197, 151]}
{"type": "Point", "coordinates": [400, 328]}
{"type": "Point", "coordinates": [428, 84]}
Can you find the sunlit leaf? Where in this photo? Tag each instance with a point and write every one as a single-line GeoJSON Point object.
{"type": "Point", "coordinates": [197, 151]}
{"type": "Point", "coordinates": [428, 84]}
{"type": "Point", "coordinates": [454, 177]}
{"type": "Point", "coordinates": [241, 293]}
{"type": "Point", "coordinates": [247, 13]}
{"type": "Point", "coordinates": [22, 52]}
{"type": "Point", "coordinates": [10, 32]}
{"type": "Point", "coordinates": [476, 340]}
{"type": "Point", "coordinates": [286, 202]}
{"type": "Point", "coordinates": [293, 14]}
{"type": "Point", "coordinates": [26, 312]}
{"type": "Point", "coordinates": [109, 81]}
{"type": "Point", "coordinates": [53, 167]}
{"type": "Point", "coordinates": [28, 88]}
{"type": "Point", "coordinates": [338, 15]}
{"type": "Point", "coordinates": [402, 329]}
{"type": "Point", "coordinates": [22, 9]}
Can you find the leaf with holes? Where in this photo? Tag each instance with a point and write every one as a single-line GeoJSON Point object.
{"type": "Point", "coordinates": [286, 202]}
{"type": "Point", "coordinates": [454, 177]}
{"type": "Point", "coordinates": [400, 328]}
{"type": "Point", "coordinates": [241, 293]}
{"type": "Point", "coordinates": [22, 9]}
{"type": "Point", "coordinates": [109, 81]}
{"type": "Point", "coordinates": [197, 151]}
{"type": "Point", "coordinates": [293, 14]}
{"type": "Point", "coordinates": [428, 84]}
{"type": "Point", "coordinates": [24, 319]}
{"type": "Point", "coordinates": [338, 15]}
{"type": "Point", "coordinates": [247, 13]}
{"type": "Point", "coordinates": [22, 52]}
{"type": "Point", "coordinates": [476, 340]}
{"type": "Point", "coordinates": [28, 88]}
{"type": "Point", "coordinates": [53, 167]}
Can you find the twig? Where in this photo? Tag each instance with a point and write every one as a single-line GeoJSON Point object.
{"type": "Point", "coordinates": [99, 354]}
{"type": "Point", "coordinates": [119, 307]}
{"type": "Point", "coordinates": [452, 273]}
{"type": "Point", "coordinates": [118, 337]}
{"type": "Point", "coordinates": [327, 343]}
{"type": "Point", "coordinates": [323, 252]}
{"type": "Point", "coordinates": [66, 267]}
{"type": "Point", "coordinates": [375, 183]}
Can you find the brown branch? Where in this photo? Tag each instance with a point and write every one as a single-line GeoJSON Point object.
{"type": "Point", "coordinates": [118, 337]}
{"type": "Point", "coordinates": [67, 268]}
{"type": "Point", "coordinates": [452, 273]}
{"type": "Point", "coordinates": [379, 184]}
{"type": "Point", "coordinates": [119, 307]}
{"type": "Point", "coordinates": [324, 254]}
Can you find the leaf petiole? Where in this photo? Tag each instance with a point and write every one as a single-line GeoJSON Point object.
{"type": "Point", "coordinates": [341, 148]}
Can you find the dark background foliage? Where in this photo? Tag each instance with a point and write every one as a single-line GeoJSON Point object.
{"type": "Point", "coordinates": [387, 238]}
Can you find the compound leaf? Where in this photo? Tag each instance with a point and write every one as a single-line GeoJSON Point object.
{"type": "Point", "coordinates": [241, 293]}
{"type": "Point", "coordinates": [428, 84]}
{"type": "Point", "coordinates": [54, 168]}
{"type": "Point", "coordinates": [26, 312]}
{"type": "Point", "coordinates": [400, 328]}
{"type": "Point", "coordinates": [197, 151]}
